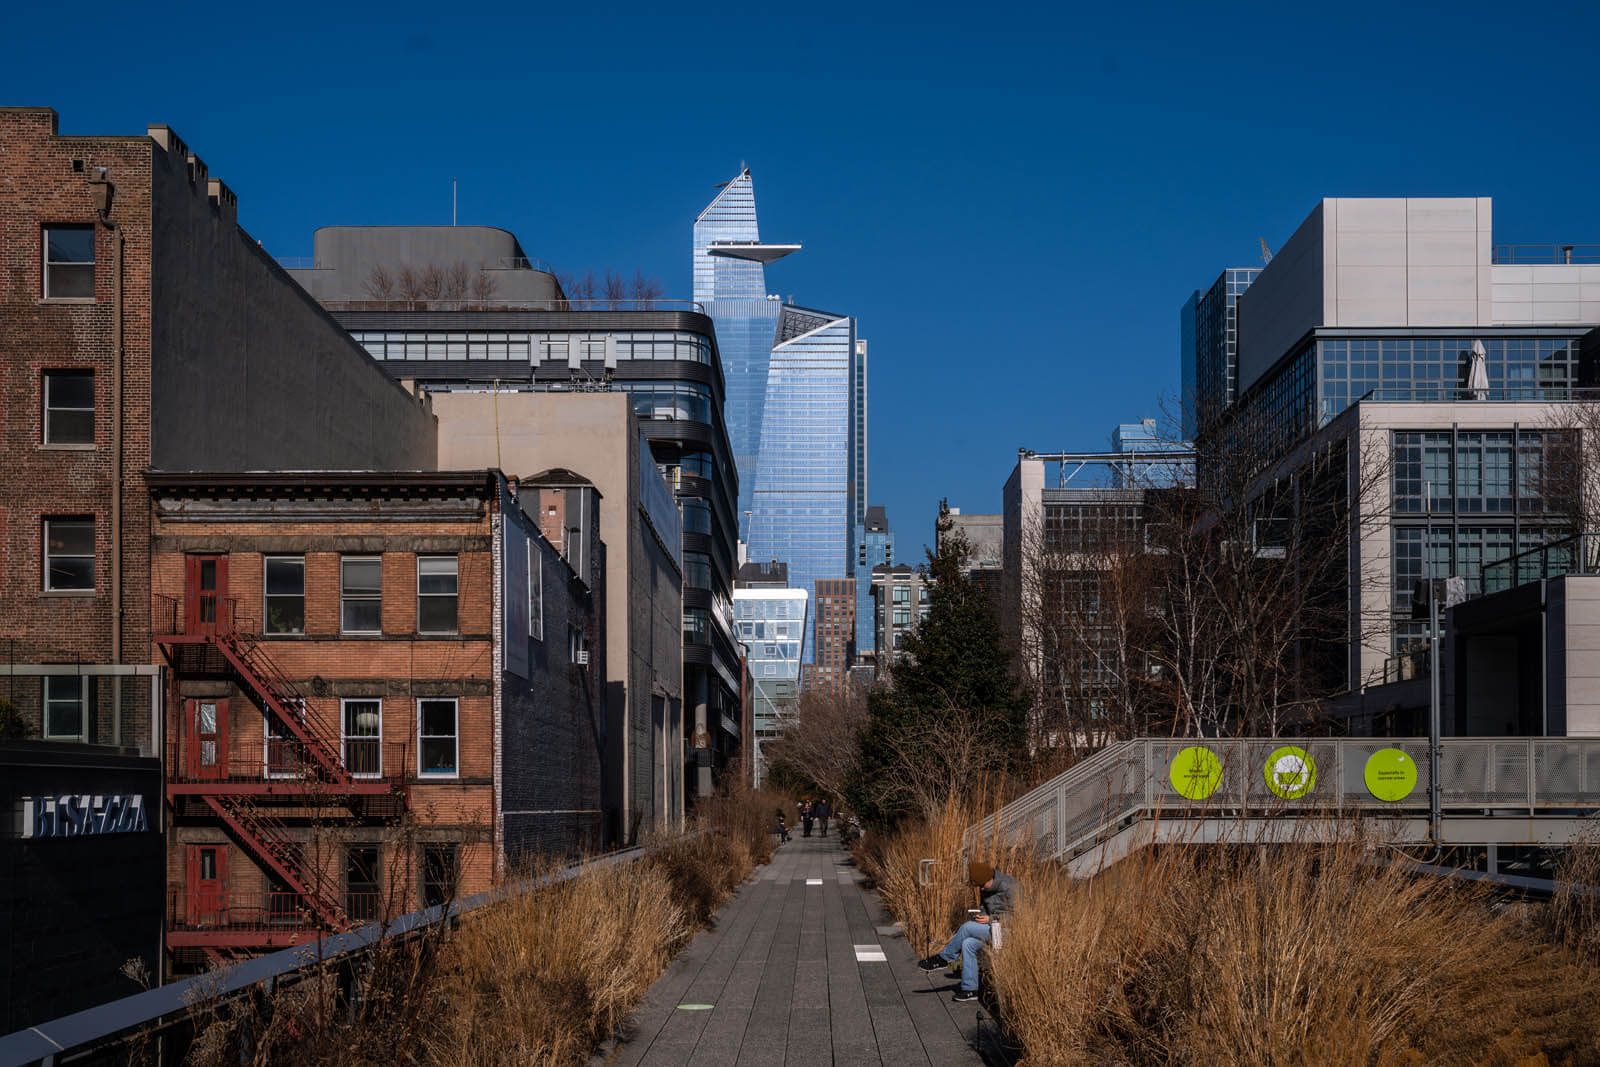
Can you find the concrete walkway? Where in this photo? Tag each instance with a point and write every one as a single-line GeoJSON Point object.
{"type": "Point", "coordinates": [799, 968]}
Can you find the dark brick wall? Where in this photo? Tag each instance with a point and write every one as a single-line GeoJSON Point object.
{"type": "Point", "coordinates": [74, 910]}
{"type": "Point", "coordinates": [553, 724]}
{"type": "Point", "coordinates": [46, 180]}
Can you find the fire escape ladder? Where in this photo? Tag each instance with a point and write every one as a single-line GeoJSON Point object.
{"type": "Point", "coordinates": [269, 840]}
{"type": "Point", "coordinates": [280, 698]}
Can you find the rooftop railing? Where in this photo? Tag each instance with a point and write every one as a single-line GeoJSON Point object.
{"type": "Point", "coordinates": [1573, 555]}
{"type": "Point", "coordinates": [502, 263]}
{"type": "Point", "coordinates": [1520, 254]}
{"type": "Point", "coordinates": [474, 304]}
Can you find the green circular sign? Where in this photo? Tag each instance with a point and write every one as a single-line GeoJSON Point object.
{"type": "Point", "coordinates": [1291, 772]}
{"type": "Point", "coordinates": [1391, 775]}
{"type": "Point", "coordinates": [1196, 772]}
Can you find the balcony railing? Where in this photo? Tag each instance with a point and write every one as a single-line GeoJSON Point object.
{"type": "Point", "coordinates": [1515, 254]}
{"type": "Point", "coordinates": [279, 761]}
{"type": "Point", "coordinates": [169, 616]}
{"type": "Point", "coordinates": [269, 912]}
{"type": "Point", "coordinates": [1407, 666]}
{"type": "Point", "coordinates": [1572, 555]}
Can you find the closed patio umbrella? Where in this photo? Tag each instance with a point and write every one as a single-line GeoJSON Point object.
{"type": "Point", "coordinates": [1478, 373]}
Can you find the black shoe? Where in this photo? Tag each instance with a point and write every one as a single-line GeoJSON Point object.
{"type": "Point", "coordinates": [964, 995]}
{"type": "Point", "coordinates": [934, 963]}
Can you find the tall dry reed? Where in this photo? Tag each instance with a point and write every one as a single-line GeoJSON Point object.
{"type": "Point", "coordinates": [538, 978]}
{"type": "Point", "coordinates": [1281, 954]}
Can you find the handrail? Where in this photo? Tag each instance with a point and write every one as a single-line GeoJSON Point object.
{"type": "Point", "coordinates": [104, 1024]}
{"type": "Point", "coordinates": [1526, 777]}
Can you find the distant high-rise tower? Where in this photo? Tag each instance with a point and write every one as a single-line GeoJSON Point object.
{"type": "Point", "coordinates": [1209, 329]}
{"type": "Point", "coordinates": [874, 548]}
{"type": "Point", "coordinates": [796, 400]}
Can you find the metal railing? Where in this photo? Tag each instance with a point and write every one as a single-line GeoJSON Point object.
{"type": "Point", "coordinates": [1521, 777]}
{"type": "Point", "coordinates": [1406, 666]}
{"type": "Point", "coordinates": [1451, 392]}
{"type": "Point", "coordinates": [273, 911]}
{"type": "Point", "coordinates": [623, 303]}
{"type": "Point", "coordinates": [525, 263]}
{"type": "Point", "coordinates": [1517, 254]}
{"type": "Point", "coordinates": [106, 1025]}
{"type": "Point", "coordinates": [296, 262]}
{"type": "Point", "coordinates": [199, 760]}
{"type": "Point", "coordinates": [1579, 554]}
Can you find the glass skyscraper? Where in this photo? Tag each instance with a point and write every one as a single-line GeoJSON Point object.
{"type": "Point", "coordinates": [874, 548]}
{"type": "Point", "coordinates": [796, 400]}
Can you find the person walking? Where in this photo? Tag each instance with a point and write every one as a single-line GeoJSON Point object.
{"type": "Point", "coordinates": [824, 809]}
{"type": "Point", "coordinates": [998, 896]}
{"type": "Point", "coordinates": [805, 819]}
{"type": "Point", "coordinates": [783, 827]}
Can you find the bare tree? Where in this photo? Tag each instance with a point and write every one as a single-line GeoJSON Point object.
{"type": "Point", "coordinates": [410, 283]}
{"type": "Point", "coordinates": [817, 747]}
{"type": "Point", "coordinates": [645, 290]}
{"type": "Point", "coordinates": [616, 291]}
{"type": "Point", "coordinates": [1227, 608]}
{"type": "Point", "coordinates": [380, 284]}
{"type": "Point", "coordinates": [456, 282]}
{"type": "Point", "coordinates": [484, 285]}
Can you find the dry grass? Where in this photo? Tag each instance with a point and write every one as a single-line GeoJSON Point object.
{"type": "Point", "coordinates": [540, 978]}
{"type": "Point", "coordinates": [1280, 954]}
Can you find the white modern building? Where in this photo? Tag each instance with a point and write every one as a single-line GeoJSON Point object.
{"type": "Point", "coordinates": [770, 621]}
{"type": "Point", "coordinates": [1450, 363]}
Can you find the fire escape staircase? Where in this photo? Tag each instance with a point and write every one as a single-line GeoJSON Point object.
{"type": "Point", "coordinates": [316, 771]}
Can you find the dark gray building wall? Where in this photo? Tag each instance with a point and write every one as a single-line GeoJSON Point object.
{"type": "Point", "coordinates": [553, 723]}
{"type": "Point", "coordinates": [76, 908]}
{"type": "Point", "coordinates": [346, 256]}
{"type": "Point", "coordinates": [247, 372]}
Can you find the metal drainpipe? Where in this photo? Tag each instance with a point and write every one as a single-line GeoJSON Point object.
{"type": "Point", "coordinates": [116, 474]}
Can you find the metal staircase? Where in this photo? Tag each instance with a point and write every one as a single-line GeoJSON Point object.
{"type": "Point", "coordinates": [296, 772]}
{"type": "Point", "coordinates": [1515, 791]}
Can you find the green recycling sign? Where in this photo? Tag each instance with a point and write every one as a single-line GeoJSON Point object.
{"type": "Point", "coordinates": [1291, 772]}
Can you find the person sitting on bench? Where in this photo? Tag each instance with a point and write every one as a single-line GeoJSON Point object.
{"type": "Point", "coordinates": [998, 895]}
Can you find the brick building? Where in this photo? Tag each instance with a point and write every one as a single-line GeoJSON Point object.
{"type": "Point", "coordinates": [376, 700]}
{"type": "Point", "coordinates": [835, 634]}
{"type": "Point", "coordinates": [141, 328]}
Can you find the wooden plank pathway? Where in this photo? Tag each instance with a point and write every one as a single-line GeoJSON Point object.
{"type": "Point", "coordinates": [800, 968]}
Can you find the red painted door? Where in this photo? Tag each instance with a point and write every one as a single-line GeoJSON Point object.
{"type": "Point", "coordinates": [205, 594]}
{"type": "Point", "coordinates": [208, 878]}
{"type": "Point", "coordinates": [206, 738]}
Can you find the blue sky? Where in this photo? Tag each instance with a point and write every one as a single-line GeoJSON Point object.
{"type": "Point", "coordinates": [1014, 201]}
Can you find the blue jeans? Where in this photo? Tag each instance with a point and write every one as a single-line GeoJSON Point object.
{"type": "Point", "coordinates": [966, 942]}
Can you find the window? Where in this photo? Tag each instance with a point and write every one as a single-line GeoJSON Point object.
{"type": "Point", "coordinates": [902, 594]}
{"type": "Point", "coordinates": [69, 262]}
{"type": "Point", "coordinates": [535, 593]}
{"type": "Point", "coordinates": [69, 407]}
{"type": "Point", "coordinates": [922, 595]}
{"type": "Point", "coordinates": [362, 725]}
{"type": "Point", "coordinates": [436, 735]}
{"type": "Point", "coordinates": [361, 594]}
{"type": "Point", "coordinates": [437, 586]}
{"type": "Point", "coordinates": [69, 554]}
{"type": "Point", "coordinates": [65, 713]}
{"type": "Point", "coordinates": [361, 882]}
{"type": "Point", "coordinates": [575, 643]}
{"type": "Point", "coordinates": [902, 616]}
{"type": "Point", "coordinates": [284, 583]}
{"type": "Point", "coordinates": [283, 754]}
{"type": "Point", "coordinates": [440, 866]}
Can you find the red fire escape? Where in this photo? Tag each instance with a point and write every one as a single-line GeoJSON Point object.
{"type": "Point", "coordinates": [298, 775]}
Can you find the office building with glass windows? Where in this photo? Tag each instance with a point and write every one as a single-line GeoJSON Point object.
{"type": "Point", "coordinates": [874, 547]}
{"type": "Point", "coordinates": [662, 354]}
{"type": "Point", "coordinates": [1448, 362]}
{"type": "Point", "coordinates": [770, 620]}
{"type": "Point", "coordinates": [899, 603]}
{"type": "Point", "coordinates": [1209, 350]}
{"type": "Point", "coordinates": [796, 400]}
